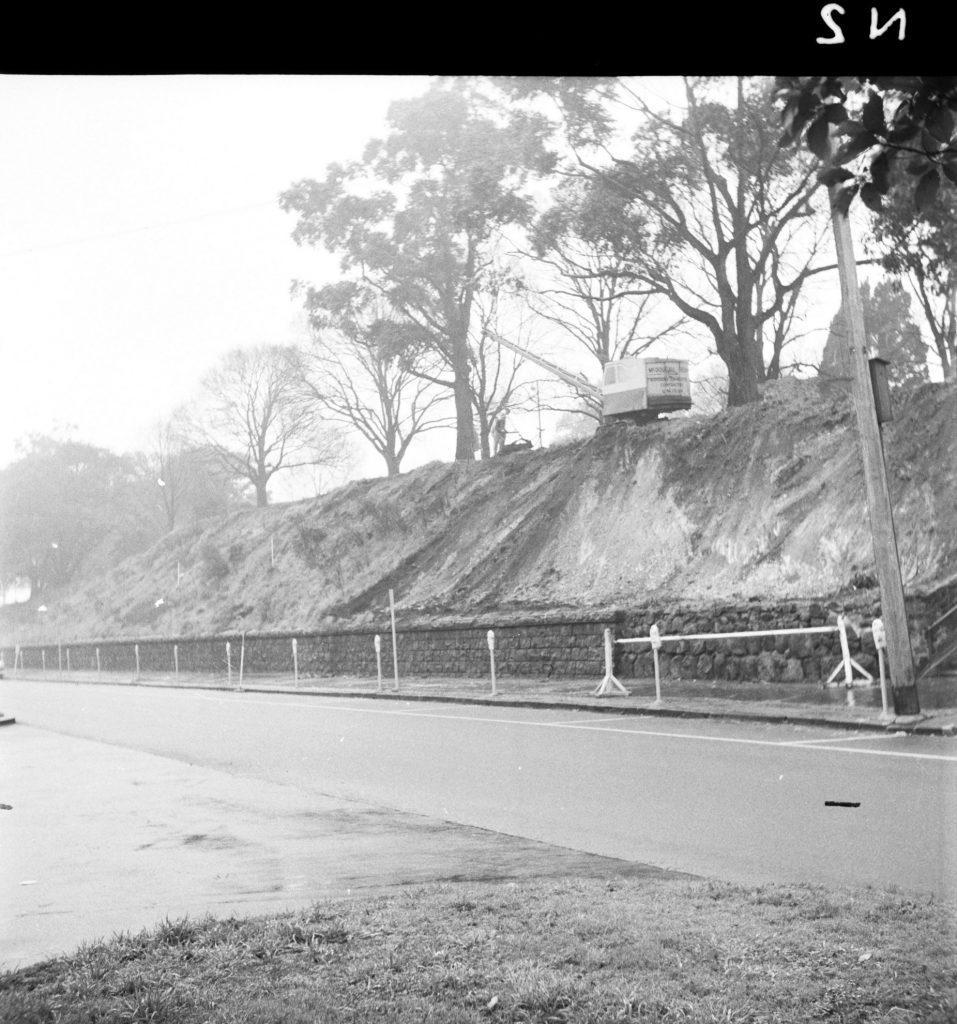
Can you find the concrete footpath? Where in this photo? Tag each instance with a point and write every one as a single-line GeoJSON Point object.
{"type": "Point", "coordinates": [858, 709]}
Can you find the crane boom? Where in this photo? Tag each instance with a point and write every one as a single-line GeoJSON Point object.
{"type": "Point", "coordinates": [632, 389]}
{"type": "Point", "coordinates": [576, 380]}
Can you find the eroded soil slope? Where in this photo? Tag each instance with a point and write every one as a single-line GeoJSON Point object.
{"type": "Point", "coordinates": [764, 501]}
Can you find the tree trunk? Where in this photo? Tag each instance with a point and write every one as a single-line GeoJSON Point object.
{"type": "Point", "coordinates": [462, 392]}
{"type": "Point", "coordinates": [391, 463]}
{"type": "Point", "coordinates": [948, 350]}
{"type": "Point", "coordinates": [485, 433]}
{"type": "Point", "coordinates": [743, 376]}
{"type": "Point", "coordinates": [262, 497]}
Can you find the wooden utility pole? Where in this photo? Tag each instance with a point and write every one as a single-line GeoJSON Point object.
{"type": "Point", "coordinates": [886, 557]}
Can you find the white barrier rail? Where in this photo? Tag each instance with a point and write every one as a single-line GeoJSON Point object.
{"type": "Point", "coordinates": [609, 685]}
{"type": "Point", "coordinates": [726, 636]}
{"type": "Point", "coordinates": [847, 663]}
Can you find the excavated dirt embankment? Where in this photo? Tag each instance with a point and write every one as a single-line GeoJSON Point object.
{"type": "Point", "coordinates": [765, 502]}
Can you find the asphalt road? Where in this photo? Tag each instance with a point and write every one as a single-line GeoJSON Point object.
{"type": "Point", "coordinates": [741, 802]}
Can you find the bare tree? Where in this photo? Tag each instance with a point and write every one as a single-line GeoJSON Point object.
{"type": "Point", "coordinates": [258, 418]}
{"type": "Point", "coordinates": [498, 384]}
{"type": "Point", "coordinates": [187, 482]}
{"type": "Point", "coordinates": [589, 291]}
{"type": "Point", "coordinates": [359, 371]}
{"type": "Point", "coordinates": [158, 466]}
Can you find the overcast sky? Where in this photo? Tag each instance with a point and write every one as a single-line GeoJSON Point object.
{"type": "Point", "coordinates": [142, 238]}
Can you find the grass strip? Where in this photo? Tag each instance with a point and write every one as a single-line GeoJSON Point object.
{"type": "Point", "coordinates": [589, 950]}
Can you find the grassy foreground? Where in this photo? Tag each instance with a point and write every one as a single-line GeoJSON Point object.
{"type": "Point", "coordinates": [547, 951]}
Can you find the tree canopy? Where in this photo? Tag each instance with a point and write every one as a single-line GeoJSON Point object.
{"type": "Point", "coordinates": [416, 220]}
{"type": "Point", "coordinates": [60, 501]}
{"type": "Point", "coordinates": [922, 249]}
{"type": "Point", "coordinates": [719, 218]}
{"type": "Point", "coordinates": [891, 334]}
{"type": "Point", "coordinates": [886, 123]}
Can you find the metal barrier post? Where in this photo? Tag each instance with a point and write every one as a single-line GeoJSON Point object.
{"type": "Point", "coordinates": [229, 665]}
{"type": "Point", "coordinates": [295, 662]}
{"type": "Point", "coordinates": [176, 662]}
{"type": "Point", "coordinates": [490, 637]}
{"type": "Point", "coordinates": [69, 671]}
{"type": "Point", "coordinates": [43, 659]}
{"type": "Point", "coordinates": [846, 658]}
{"type": "Point", "coordinates": [59, 658]}
{"type": "Point", "coordinates": [136, 652]}
{"type": "Point", "coordinates": [242, 659]}
{"type": "Point", "coordinates": [377, 642]}
{"type": "Point", "coordinates": [847, 663]}
{"type": "Point", "coordinates": [655, 645]}
{"type": "Point", "coordinates": [880, 642]}
{"type": "Point", "coordinates": [97, 664]}
{"type": "Point", "coordinates": [609, 684]}
{"type": "Point", "coordinates": [395, 649]}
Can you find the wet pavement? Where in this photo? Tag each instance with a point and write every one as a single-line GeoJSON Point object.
{"type": "Point", "coordinates": [115, 840]}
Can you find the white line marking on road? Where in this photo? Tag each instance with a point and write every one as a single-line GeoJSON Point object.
{"type": "Point", "coordinates": [595, 727]}
{"type": "Point", "coordinates": [837, 737]}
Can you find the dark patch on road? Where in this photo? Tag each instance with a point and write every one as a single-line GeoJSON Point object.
{"type": "Point", "coordinates": [212, 842]}
{"type": "Point", "coordinates": [842, 803]}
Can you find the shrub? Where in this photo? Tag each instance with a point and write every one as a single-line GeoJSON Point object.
{"type": "Point", "coordinates": [215, 567]}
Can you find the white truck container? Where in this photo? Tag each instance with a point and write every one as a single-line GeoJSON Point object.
{"type": "Point", "coordinates": [643, 388]}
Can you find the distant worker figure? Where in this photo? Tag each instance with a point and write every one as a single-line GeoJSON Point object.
{"type": "Point", "coordinates": [499, 431]}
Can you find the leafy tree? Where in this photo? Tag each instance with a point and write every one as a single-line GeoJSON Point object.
{"type": "Point", "coordinates": [727, 213]}
{"type": "Point", "coordinates": [714, 214]}
{"type": "Point", "coordinates": [359, 375]}
{"type": "Point", "coordinates": [923, 249]}
{"type": "Point", "coordinates": [891, 333]}
{"type": "Point", "coordinates": [416, 219]}
{"type": "Point", "coordinates": [258, 419]}
{"type": "Point", "coordinates": [890, 123]}
{"type": "Point", "coordinates": [60, 501]}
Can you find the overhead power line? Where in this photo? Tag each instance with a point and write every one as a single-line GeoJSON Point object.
{"type": "Point", "coordinates": [136, 230]}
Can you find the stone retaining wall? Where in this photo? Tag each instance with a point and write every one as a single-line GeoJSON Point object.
{"type": "Point", "coordinates": [550, 647]}
{"type": "Point", "coordinates": [795, 658]}
{"type": "Point", "coordinates": [570, 649]}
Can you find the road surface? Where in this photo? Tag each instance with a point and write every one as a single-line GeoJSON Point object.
{"type": "Point", "coordinates": [748, 803]}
